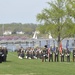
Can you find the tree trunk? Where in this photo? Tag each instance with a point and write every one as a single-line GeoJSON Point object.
{"type": "Point", "coordinates": [59, 40]}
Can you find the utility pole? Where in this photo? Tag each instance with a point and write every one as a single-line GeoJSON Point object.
{"type": "Point", "coordinates": [3, 30]}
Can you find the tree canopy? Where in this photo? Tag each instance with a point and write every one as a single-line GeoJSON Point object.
{"type": "Point", "coordinates": [58, 19]}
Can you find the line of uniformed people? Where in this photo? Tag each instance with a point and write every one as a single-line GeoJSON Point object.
{"type": "Point", "coordinates": [30, 53]}
{"type": "Point", "coordinates": [56, 56]}
{"type": "Point", "coordinates": [33, 53]}
{"type": "Point", "coordinates": [3, 54]}
{"type": "Point", "coordinates": [46, 54]}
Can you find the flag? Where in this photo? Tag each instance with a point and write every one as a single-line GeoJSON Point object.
{"type": "Point", "coordinates": [60, 47]}
{"type": "Point", "coordinates": [48, 50]}
{"type": "Point", "coordinates": [48, 44]}
{"type": "Point", "coordinates": [67, 44]}
{"type": "Point", "coordinates": [54, 48]}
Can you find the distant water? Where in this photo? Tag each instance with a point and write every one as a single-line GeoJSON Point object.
{"type": "Point", "coordinates": [13, 47]}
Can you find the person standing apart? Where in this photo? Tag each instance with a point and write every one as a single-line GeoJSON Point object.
{"type": "Point", "coordinates": [73, 54]}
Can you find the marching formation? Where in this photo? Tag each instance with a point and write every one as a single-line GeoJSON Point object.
{"type": "Point", "coordinates": [46, 54]}
{"type": "Point", "coordinates": [3, 54]}
{"type": "Point", "coordinates": [56, 55]}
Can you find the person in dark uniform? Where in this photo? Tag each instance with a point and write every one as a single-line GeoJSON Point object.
{"type": "Point", "coordinates": [57, 55]}
{"type": "Point", "coordinates": [62, 56]}
{"type": "Point", "coordinates": [0, 54]}
{"type": "Point", "coordinates": [22, 53]}
{"type": "Point", "coordinates": [51, 55]}
{"type": "Point", "coordinates": [73, 54]}
{"type": "Point", "coordinates": [4, 53]}
{"type": "Point", "coordinates": [45, 53]}
{"type": "Point", "coordinates": [68, 55]}
{"type": "Point", "coordinates": [19, 52]}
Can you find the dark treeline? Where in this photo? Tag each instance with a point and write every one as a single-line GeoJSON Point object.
{"type": "Point", "coordinates": [28, 28]}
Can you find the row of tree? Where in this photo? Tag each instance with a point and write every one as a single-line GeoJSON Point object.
{"type": "Point", "coordinates": [28, 29]}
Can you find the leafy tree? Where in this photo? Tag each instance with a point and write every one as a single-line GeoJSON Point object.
{"type": "Point", "coordinates": [58, 19]}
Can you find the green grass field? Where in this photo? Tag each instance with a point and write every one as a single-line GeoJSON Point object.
{"type": "Point", "coordinates": [16, 66]}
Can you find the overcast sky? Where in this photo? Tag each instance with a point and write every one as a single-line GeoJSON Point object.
{"type": "Point", "coordinates": [21, 11]}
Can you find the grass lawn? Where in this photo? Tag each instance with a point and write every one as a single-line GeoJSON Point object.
{"type": "Point", "coordinates": [16, 66]}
